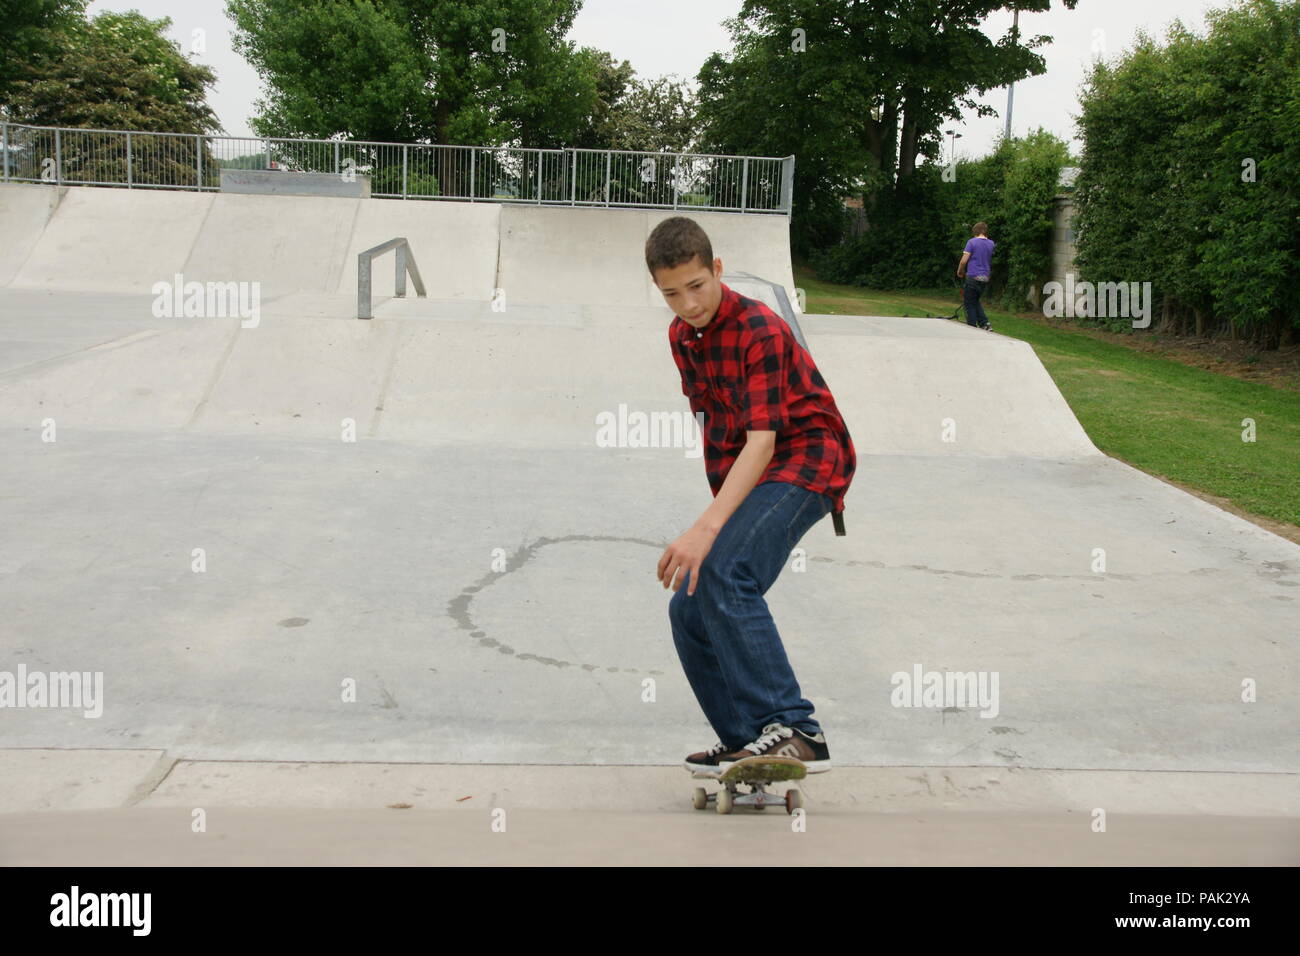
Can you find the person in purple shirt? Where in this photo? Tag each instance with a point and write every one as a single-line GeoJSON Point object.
{"type": "Point", "coordinates": [979, 255]}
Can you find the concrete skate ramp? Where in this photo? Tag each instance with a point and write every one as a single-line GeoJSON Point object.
{"type": "Point", "coordinates": [531, 375]}
{"type": "Point", "coordinates": [483, 565]}
{"type": "Point", "coordinates": [454, 245]}
{"type": "Point", "coordinates": [114, 240]}
{"type": "Point", "coordinates": [126, 240]}
{"type": "Point", "coordinates": [23, 215]}
{"type": "Point", "coordinates": [285, 243]}
{"type": "Point", "coordinates": [932, 387]}
{"type": "Point", "coordinates": [587, 256]}
{"type": "Point", "coordinates": [480, 560]}
{"type": "Point", "coordinates": [907, 387]}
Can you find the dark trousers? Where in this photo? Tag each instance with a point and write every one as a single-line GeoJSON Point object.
{"type": "Point", "coordinates": [728, 644]}
{"type": "Point", "coordinates": [971, 299]}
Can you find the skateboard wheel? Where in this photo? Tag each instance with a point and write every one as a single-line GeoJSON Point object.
{"type": "Point", "coordinates": [700, 798]}
{"type": "Point", "coordinates": [793, 800]}
{"type": "Point", "coordinates": [724, 801]}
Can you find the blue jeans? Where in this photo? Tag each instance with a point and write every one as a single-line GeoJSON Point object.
{"type": "Point", "coordinates": [726, 639]}
{"type": "Point", "coordinates": [971, 299]}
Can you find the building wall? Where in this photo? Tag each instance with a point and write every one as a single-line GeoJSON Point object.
{"type": "Point", "coordinates": [1063, 238]}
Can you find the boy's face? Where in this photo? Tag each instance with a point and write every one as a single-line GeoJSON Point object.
{"type": "Point", "coordinates": [692, 290]}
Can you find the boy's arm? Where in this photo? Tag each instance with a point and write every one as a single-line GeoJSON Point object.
{"type": "Point", "coordinates": [740, 481]}
{"type": "Point", "coordinates": [685, 556]}
{"type": "Point", "coordinates": [961, 266]}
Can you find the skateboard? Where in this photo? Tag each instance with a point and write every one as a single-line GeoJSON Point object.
{"type": "Point", "coordinates": [756, 773]}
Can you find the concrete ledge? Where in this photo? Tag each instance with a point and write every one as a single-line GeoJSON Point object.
{"type": "Point", "coordinates": [73, 779]}
{"type": "Point", "coordinates": [282, 182]}
{"type": "Point", "coordinates": [83, 779]}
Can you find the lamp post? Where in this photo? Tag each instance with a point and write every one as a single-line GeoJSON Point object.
{"type": "Point", "coordinates": [1011, 90]}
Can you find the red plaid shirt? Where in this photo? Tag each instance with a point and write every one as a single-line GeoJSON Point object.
{"type": "Point", "coordinates": [746, 372]}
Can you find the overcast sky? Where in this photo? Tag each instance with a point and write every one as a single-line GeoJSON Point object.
{"type": "Point", "coordinates": [674, 37]}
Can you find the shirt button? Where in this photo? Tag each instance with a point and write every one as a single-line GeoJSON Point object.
{"type": "Point", "coordinates": [699, 335]}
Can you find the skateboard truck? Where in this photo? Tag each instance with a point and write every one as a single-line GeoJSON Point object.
{"type": "Point", "coordinates": [755, 773]}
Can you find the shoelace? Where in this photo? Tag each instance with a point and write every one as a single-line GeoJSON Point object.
{"type": "Point", "coordinates": [717, 748]}
{"type": "Point", "coordinates": [770, 737]}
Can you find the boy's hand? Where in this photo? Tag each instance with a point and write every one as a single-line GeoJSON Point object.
{"type": "Point", "coordinates": [687, 553]}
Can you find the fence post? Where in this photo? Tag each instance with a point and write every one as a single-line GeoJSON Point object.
{"type": "Point", "coordinates": [573, 178]}
{"type": "Point", "coordinates": [404, 149]}
{"type": "Point", "coordinates": [539, 177]}
{"type": "Point", "coordinates": [198, 161]}
{"type": "Point", "coordinates": [473, 164]}
{"type": "Point", "coordinates": [4, 138]}
{"type": "Point", "coordinates": [608, 154]}
{"type": "Point", "coordinates": [677, 166]}
{"type": "Point", "coordinates": [336, 158]}
{"type": "Point", "coordinates": [744, 184]}
{"type": "Point", "coordinates": [129, 182]}
{"type": "Point", "coordinates": [58, 157]}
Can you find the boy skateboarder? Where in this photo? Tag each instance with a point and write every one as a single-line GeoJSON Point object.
{"type": "Point", "coordinates": [778, 458]}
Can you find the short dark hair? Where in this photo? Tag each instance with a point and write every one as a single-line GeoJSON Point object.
{"type": "Point", "coordinates": [677, 241]}
{"type": "Point", "coordinates": [980, 227]}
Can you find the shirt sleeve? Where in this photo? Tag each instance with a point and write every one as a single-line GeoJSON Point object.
{"type": "Point", "coordinates": [970, 246]}
{"type": "Point", "coordinates": [763, 397]}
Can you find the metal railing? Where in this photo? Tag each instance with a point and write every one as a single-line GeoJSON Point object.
{"type": "Point", "coordinates": [570, 177]}
{"type": "Point", "coordinates": [405, 264]}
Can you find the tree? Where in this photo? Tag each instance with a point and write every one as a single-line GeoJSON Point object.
{"type": "Point", "coordinates": [1187, 181]}
{"type": "Point", "coordinates": [456, 72]}
{"type": "Point", "coordinates": [31, 30]}
{"type": "Point", "coordinates": [866, 97]}
{"type": "Point", "coordinates": [614, 80]}
{"type": "Point", "coordinates": [654, 116]}
{"type": "Point", "coordinates": [922, 226]}
{"type": "Point", "coordinates": [116, 71]}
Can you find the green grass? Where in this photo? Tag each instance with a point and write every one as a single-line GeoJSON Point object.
{"type": "Point", "coordinates": [1156, 414]}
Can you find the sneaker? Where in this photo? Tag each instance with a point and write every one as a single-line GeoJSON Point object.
{"type": "Point", "coordinates": [782, 741]}
{"type": "Point", "coordinates": [706, 761]}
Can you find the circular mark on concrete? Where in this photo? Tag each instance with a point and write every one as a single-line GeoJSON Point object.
{"type": "Point", "coordinates": [461, 607]}
{"type": "Point", "coordinates": [293, 622]}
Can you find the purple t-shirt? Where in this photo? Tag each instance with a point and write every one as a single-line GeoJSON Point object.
{"type": "Point", "coordinates": [981, 256]}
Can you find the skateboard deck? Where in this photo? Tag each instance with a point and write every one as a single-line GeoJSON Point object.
{"type": "Point", "coordinates": [755, 773]}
